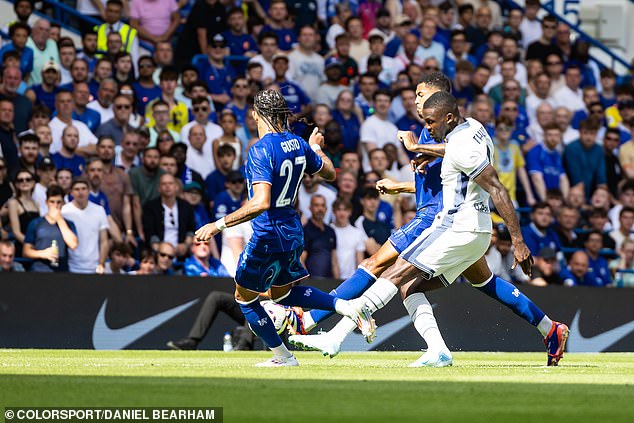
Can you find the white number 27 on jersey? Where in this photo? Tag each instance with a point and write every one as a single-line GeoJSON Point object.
{"type": "Point", "coordinates": [287, 170]}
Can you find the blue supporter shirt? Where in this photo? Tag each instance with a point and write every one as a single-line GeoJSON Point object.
{"type": "Point", "coordinates": [280, 160]}
{"type": "Point", "coordinates": [349, 130]}
{"type": "Point", "coordinates": [385, 214]}
{"type": "Point", "coordinates": [76, 163]}
{"type": "Point", "coordinates": [547, 162]}
{"type": "Point", "coordinates": [40, 234]}
{"type": "Point", "coordinates": [285, 37]}
{"type": "Point", "coordinates": [571, 280]}
{"type": "Point", "coordinates": [90, 117]}
{"type": "Point", "coordinates": [294, 95]}
{"type": "Point", "coordinates": [224, 204]}
{"type": "Point", "coordinates": [215, 268]}
{"type": "Point", "coordinates": [535, 240]}
{"type": "Point", "coordinates": [144, 96]}
{"type": "Point", "coordinates": [218, 80]}
{"type": "Point", "coordinates": [241, 114]}
{"type": "Point", "coordinates": [599, 270]}
{"type": "Point", "coordinates": [42, 97]}
{"type": "Point", "coordinates": [26, 57]}
{"type": "Point", "coordinates": [240, 44]}
{"type": "Point", "coordinates": [214, 184]}
{"type": "Point", "coordinates": [100, 199]}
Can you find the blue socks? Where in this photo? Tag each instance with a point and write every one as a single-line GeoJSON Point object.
{"type": "Point", "coordinates": [351, 288]}
{"type": "Point", "coordinates": [309, 297]}
{"type": "Point", "coordinates": [509, 295]}
{"type": "Point", "coordinates": [261, 323]}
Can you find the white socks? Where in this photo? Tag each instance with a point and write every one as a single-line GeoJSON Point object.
{"type": "Point", "coordinates": [424, 321]}
{"type": "Point", "coordinates": [376, 297]}
{"type": "Point", "coordinates": [281, 351]}
{"type": "Point", "coordinates": [544, 325]}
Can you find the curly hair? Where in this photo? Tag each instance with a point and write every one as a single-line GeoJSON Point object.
{"type": "Point", "coordinates": [271, 106]}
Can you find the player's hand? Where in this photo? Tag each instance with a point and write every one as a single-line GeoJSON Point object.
{"type": "Point", "coordinates": [387, 186]}
{"type": "Point", "coordinates": [316, 137]}
{"type": "Point", "coordinates": [205, 233]}
{"type": "Point", "coordinates": [407, 138]}
{"type": "Point", "coordinates": [522, 256]}
{"type": "Point", "coordinates": [419, 163]}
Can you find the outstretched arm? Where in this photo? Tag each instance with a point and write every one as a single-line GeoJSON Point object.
{"type": "Point", "coordinates": [388, 186]}
{"type": "Point", "coordinates": [259, 203]}
{"type": "Point", "coordinates": [411, 143]}
{"type": "Point", "coordinates": [490, 182]}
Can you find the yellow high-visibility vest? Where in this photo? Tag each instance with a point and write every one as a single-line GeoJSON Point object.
{"type": "Point", "coordinates": [128, 34]}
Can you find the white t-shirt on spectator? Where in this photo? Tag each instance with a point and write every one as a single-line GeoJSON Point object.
{"type": "Point", "coordinates": [307, 70]}
{"type": "Point", "coordinates": [531, 31]}
{"type": "Point", "coordinates": [267, 68]}
{"type": "Point", "coordinates": [572, 100]}
{"type": "Point", "coordinates": [212, 131]}
{"type": "Point", "coordinates": [533, 102]}
{"type": "Point", "coordinates": [88, 222]}
{"type": "Point", "coordinates": [303, 197]}
{"type": "Point", "coordinates": [86, 7]}
{"type": "Point", "coordinates": [86, 137]}
{"type": "Point", "coordinates": [105, 112]}
{"type": "Point", "coordinates": [242, 231]}
{"type": "Point", "coordinates": [201, 161]}
{"type": "Point", "coordinates": [39, 196]}
{"type": "Point", "coordinates": [379, 132]}
{"type": "Point", "coordinates": [350, 240]}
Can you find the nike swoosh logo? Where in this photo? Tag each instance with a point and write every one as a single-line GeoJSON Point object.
{"type": "Point", "coordinates": [356, 341]}
{"type": "Point", "coordinates": [597, 343]}
{"type": "Point", "coordinates": [104, 338]}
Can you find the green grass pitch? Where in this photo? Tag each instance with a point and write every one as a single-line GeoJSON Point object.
{"type": "Point", "coordinates": [353, 387]}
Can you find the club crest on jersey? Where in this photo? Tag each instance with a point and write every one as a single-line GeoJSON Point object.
{"type": "Point", "coordinates": [481, 207]}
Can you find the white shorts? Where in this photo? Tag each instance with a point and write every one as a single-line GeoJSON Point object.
{"type": "Point", "coordinates": [440, 251]}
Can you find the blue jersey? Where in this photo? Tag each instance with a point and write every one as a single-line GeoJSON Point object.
{"type": "Point", "coordinates": [429, 186]}
{"type": "Point", "coordinates": [280, 160]}
{"type": "Point", "coordinates": [547, 162]}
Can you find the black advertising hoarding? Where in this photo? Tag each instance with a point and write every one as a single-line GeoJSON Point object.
{"type": "Point", "coordinates": [138, 312]}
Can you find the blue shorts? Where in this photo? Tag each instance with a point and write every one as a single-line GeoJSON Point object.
{"type": "Point", "coordinates": [404, 236]}
{"type": "Point", "coordinates": [257, 271]}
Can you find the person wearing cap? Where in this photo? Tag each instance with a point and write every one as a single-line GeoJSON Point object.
{"type": "Point", "coordinates": [213, 71]}
{"type": "Point", "coordinates": [546, 269]}
{"type": "Point", "coordinates": [306, 68]}
{"type": "Point", "coordinates": [193, 194]}
{"type": "Point", "coordinates": [169, 218]}
{"type": "Point", "coordinates": [296, 98]}
{"type": "Point", "coordinates": [45, 171]}
{"type": "Point", "coordinates": [155, 20]}
{"type": "Point", "coordinates": [330, 89]}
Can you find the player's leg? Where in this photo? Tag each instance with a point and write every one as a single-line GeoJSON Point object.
{"type": "Point", "coordinates": [355, 285]}
{"type": "Point", "coordinates": [215, 302]}
{"type": "Point", "coordinates": [555, 334]}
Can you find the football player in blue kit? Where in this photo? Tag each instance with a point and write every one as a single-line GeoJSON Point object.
{"type": "Point", "coordinates": [428, 189]}
{"type": "Point", "coordinates": [270, 261]}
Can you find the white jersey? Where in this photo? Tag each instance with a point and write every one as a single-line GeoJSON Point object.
{"type": "Point", "coordinates": [468, 152]}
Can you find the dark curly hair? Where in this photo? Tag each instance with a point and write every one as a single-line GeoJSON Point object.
{"type": "Point", "coordinates": [271, 106]}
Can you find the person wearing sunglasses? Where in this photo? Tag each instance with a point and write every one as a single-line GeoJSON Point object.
{"type": "Point", "coordinates": [22, 208]}
{"type": "Point", "coordinates": [545, 45]}
{"type": "Point", "coordinates": [120, 123]}
{"type": "Point", "coordinates": [202, 107]}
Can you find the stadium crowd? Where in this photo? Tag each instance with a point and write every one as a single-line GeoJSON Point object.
{"type": "Point", "coordinates": [111, 159]}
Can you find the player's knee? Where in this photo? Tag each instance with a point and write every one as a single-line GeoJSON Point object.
{"type": "Point", "coordinates": [278, 294]}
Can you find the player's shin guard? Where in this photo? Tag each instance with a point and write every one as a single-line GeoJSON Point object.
{"type": "Point", "coordinates": [351, 288]}
{"type": "Point", "coordinates": [262, 325]}
{"type": "Point", "coordinates": [509, 295]}
{"type": "Point", "coordinates": [309, 297]}
{"type": "Point", "coordinates": [424, 321]}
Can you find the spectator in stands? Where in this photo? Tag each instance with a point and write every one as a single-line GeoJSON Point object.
{"type": "Point", "coordinates": [67, 54]}
{"type": "Point", "coordinates": [546, 271]}
{"type": "Point", "coordinates": [155, 20]}
{"type": "Point", "coordinates": [184, 172]}
{"type": "Point", "coordinates": [500, 256]}
{"type": "Point", "coordinates": [144, 87]}
{"type": "Point", "coordinates": [626, 220]}
{"type": "Point", "coordinates": [145, 178]}
{"type": "Point", "coordinates": [67, 157]}
{"type": "Point", "coordinates": [168, 218]}
{"type": "Point", "coordinates": [458, 50]}
{"type": "Point", "coordinates": [213, 71]}
{"type": "Point", "coordinates": [64, 178]}
{"type": "Point", "coordinates": [277, 16]}
{"type": "Point", "coordinates": [598, 221]}
{"type": "Point", "coordinates": [567, 222]}
{"type": "Point", "coordinates": [103, 102]}
{"type": "Point", "coordinates": [538, 234]}
{"type": "Point", "coordinates": [597, 265]}
{"type": "Point", "coordinates": [368, 222]}
{"type": "Point", "coordinates": [64, 104]}
{"type": "Point", "coordinates": [45, 172]}
{"type": "Point", "coordinates": [539, 95]}
{"type": "Point", "coordinates": [215, 181]}
{"type": "Point", "coordinates": [23, 10]}
{"type": "Point", "coordinates": [22, 208]}
{"type": "Point", "coordinates": [625, 261]}
{"type": "Point", "coordinates": [116, 186]}
{"type": "Point", "coordinates": [306, 67]}
{"type": "Point", "coordinates": [78, 73]}
{"type": "Point", "coordinates": [312, 185]}
{"type": "Point", "coordinates": [81, 98]}
{"type": "Point", "coordinates": [178, 113]}
{"type": "Point", "coordinates": [92, 231]}
{"type": "Point", "coordinates": [11, 79]}
{"type": "Point", "coordinates": [7, 256]}
{"type": "Point", "coordinates": [163, 57]}
{"type": "Point", "coordinates": [29, 145]}
{"type": "Point", "coordinates": [43, 132]}
{"type": "Point", "coordinates": [44, 49]}
{"type": "Point", "coordinates": [563, 117]}
{"type": "Point", "coordinates": [123, 68]}
{"type": "Point", "coordinates": [294, 94]}
{"type": "Point", "coordinates": [119, 124]}
{"type": "Point", "coordinates": [544, 46]}
{"type": "Point", "coordinates": [166, 254]}
{"type": "Point", "coordinates": [8, 138]}
{"type": "Point", "coordinates": [94, 174]}
{"type": "Point", "coordinates": [103, 70]}
{"type": "Point", "coordinates": [577, 272]}
{"type": "Point", "coordinates": [613, 171]}
{"type": "Point", "coordinates": [625, 199]}
{"type": "Point", "coordinates": [120, 256]}
{"type": "Point", "coordinates": [202, 263]}
{"type": "Point", "coordinates": [128, 157]}
{"type": "Point", "coordinates": [350, 246]}
{"type": "Point", "coordinates": [238, 104]}
{"type": "Point", "coordinates": [330, 89]}
{"type": "Point", "coordinates": [544, 164]}
{"type": "Point", "coordinates": [161, 122]}
{"type": "Point", "coordinates": [320, 242]}
{"type": "Point", "coordinates": [193, 194]}
{"type": "Point", "coordinates": [19, 33]}
{"type": "Point", "coordinates": [147, 263]}
{"type": "Point", "coordinates": [89, 48]}
{"type": "Point", "coordinates": [584, 159]}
